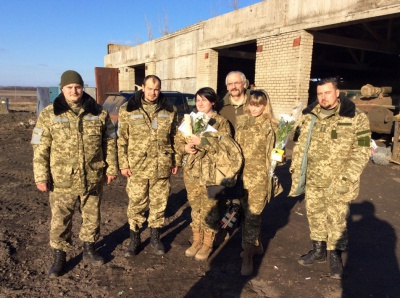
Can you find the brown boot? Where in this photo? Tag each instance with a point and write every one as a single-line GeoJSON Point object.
{"type": "Point", "coordinates": [258, 250]}
{"type": "Point", "coordinates": [197, 242]}
{"type": "Point", "coordinates": [247, 262]}
{"type": "Point", "coordinates": [207, 246]}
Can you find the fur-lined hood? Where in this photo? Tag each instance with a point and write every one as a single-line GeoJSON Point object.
{"type": "Point", "coordinates": [347, 107]}
{"type": "Point", "coordinates": [135, 102]}
{"type": "Point", "coordinates": [61, 106]}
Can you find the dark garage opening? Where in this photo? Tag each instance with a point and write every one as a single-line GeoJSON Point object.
{"type": "Point", "coordinates": [240, 57]}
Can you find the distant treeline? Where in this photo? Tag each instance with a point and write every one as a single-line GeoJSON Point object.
{"type": "Point", "coordinates": [17, 88]}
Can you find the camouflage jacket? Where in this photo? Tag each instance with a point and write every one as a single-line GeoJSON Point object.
{"type": "Point", "coordinates": [256, 137]}
{"type": "Point", "coordinates": [217, 121]}
{"type": "Point", "coordinates": [72, 151]}
{"type": "Point", "coordinates": [338, 151]}
{"type": "Point", "coordinates": [218, 160]}
{"type": "Point", "coordinates": [145, 141]}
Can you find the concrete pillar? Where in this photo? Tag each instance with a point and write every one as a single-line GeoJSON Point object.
{"type": "Point", "coordinates": [283, 68]}
{"type": "Point", "coordinates": [207, 69]}
{"type": "Point", "coordinates": [126, 78]}
{"type": "Point", "coordinates": [150, 68]}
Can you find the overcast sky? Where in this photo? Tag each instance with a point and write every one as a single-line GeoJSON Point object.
{"type": "Point", "coordinates": [39, 39]}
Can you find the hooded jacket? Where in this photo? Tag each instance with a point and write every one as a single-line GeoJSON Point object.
{"type": "Point", "coordinates": [145, 143]}
{"type": "Point", "coordinates": [339, 149]}
{"type": "Point", "coordinates": [73, 151]}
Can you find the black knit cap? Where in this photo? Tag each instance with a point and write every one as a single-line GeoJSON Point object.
{"type": "Point", "coordinates": [70, 77]}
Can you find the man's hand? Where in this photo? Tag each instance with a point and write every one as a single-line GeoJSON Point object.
{"type": "Point", "coordinates": [110, 178]}
{"type": "Point", "coordinates": [174, 170]}
{"type": "Point", "coordinates": [126, 173]}
{"type": "Point", "coordinates": [42, 186]}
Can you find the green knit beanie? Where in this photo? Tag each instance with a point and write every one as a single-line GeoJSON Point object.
{"type": "Point", "coordinates": [70, 77]}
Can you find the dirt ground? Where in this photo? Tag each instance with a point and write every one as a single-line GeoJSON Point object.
{"type": "Point", "coordinates": [371, 263]}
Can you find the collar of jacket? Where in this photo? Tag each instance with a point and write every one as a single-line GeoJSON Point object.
{"type": "Point", "coordinates": [347, 107]}
{"type": "Point", "coordinates": [135, 102]}
{"type": "Point", "coordinates": [227, 101]}
{"type": "Point", "coordinates": [60, 105]}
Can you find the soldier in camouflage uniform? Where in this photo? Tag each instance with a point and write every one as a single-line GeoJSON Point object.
{"type": "Point", "coordinates": [74, 145]}
{"type": "Point", "coordinates": [255, 133]}
{"type": "Point", "coordinates": [146, 129]}
{"type": "Point", "coordinates": [205, 215]}
{"type": "Point", "coordinates": [332, 149]}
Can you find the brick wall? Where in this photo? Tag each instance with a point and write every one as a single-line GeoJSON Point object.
{"type": "Point", "coordinates": [207, 69]}
{"type": "Point", "coordinates": [126, 78]}
{"type": "Point", "coordinates": [283, 66]}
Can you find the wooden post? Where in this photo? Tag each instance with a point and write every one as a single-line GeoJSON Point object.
{"type": "Point", "coordinates": [396, 135]}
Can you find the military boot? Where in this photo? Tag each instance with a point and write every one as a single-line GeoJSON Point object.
{"type": "Point", "coordinates": [335, 264]}
{"type": "Point", "coordinates": [156, 243]}
{"type": "Point", "coordinates": [197, 242]}
{"type": "Point", "coordinates": [91, 255]}
{"type": "Point", "coordinates": [207, 246]}
{"type": "Point", "coordinates": [247, 262]}
{"type": "Point", "coordinates": [59, 263]}
{"type": "Point", "coordinates": [258, 250]}
{"type": "Point", "coordinates": [133, 248]}
{"type": "Point", "coordinates": [317, 254]}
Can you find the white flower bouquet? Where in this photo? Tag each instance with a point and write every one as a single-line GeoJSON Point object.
{"type": "Point", "coordinates": [195, 124]}
{"type": "Point", "coordinates": [285, 127]}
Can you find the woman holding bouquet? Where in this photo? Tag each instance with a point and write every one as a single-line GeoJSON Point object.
{"type": "Point", "coordinates": [255, 133]}
{"type": "Point", "coordinates": [205, 215]}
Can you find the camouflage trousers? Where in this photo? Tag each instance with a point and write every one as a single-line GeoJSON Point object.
{"type": "Point", "coordinates": [205, 212]}
{"type": "Point", "coordinates": [62, 209]}
{"type": "Point", "coordinates": [327, 215]}
{"type": "Point", "coordinates": [253, 205]}
{"type": "Point", "coordinates": [147, 194]}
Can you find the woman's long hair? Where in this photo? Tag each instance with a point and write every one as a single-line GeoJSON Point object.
{"type": "Point", "coordinates": [261, 97]}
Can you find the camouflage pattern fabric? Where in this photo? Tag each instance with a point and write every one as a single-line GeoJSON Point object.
{"type": "Point", "coordinates": [256, 136]}
{"type": "Point", "coordinates": [73, 148]}
{"type": "Point", "coordinates": [145, 143]}
{"type": "Point", "coordinates": [326, 217]}
{"type": "Point", "coordinates": [338, 152]}
{"type": "Point", "coordinates": [216, 121]}
{"type": "Point", "coordinates": [74, 151]}
{"type": "Point", "coordinates": [145, 146]}
{"type": "Point", "coordinates": [62, 209]}
{"type": "Point", "coordinates": [205, 214]}
{"type": "Point", "coordinates": [218, 160]}
{"type": "Point", "coordinates": [146, 194]}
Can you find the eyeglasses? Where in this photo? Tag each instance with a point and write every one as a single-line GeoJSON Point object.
{"type": "Point", "coordinates": [234, 83]}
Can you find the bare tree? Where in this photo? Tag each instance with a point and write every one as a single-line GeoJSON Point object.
{"type": "Point", "coordinates": [138, 40]}
{"type": "Point", "coordinates": [149, 28]}
{"type": "Point", "coordinates": [163, 24]}
{"type": "Point", "coordinates": [234, 3]}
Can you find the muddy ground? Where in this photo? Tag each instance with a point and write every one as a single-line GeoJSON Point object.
{"type": "Point", "coordinates": [371, 263]}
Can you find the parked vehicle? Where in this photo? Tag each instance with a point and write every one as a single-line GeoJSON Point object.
{"type": "Point", "coordinates": [184, 102]}
{"type": "Point", "coordinates": [114, 101]}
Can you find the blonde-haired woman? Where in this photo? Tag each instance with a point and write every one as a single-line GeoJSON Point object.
{"type": "Point", "coordinates": [255, 134]}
